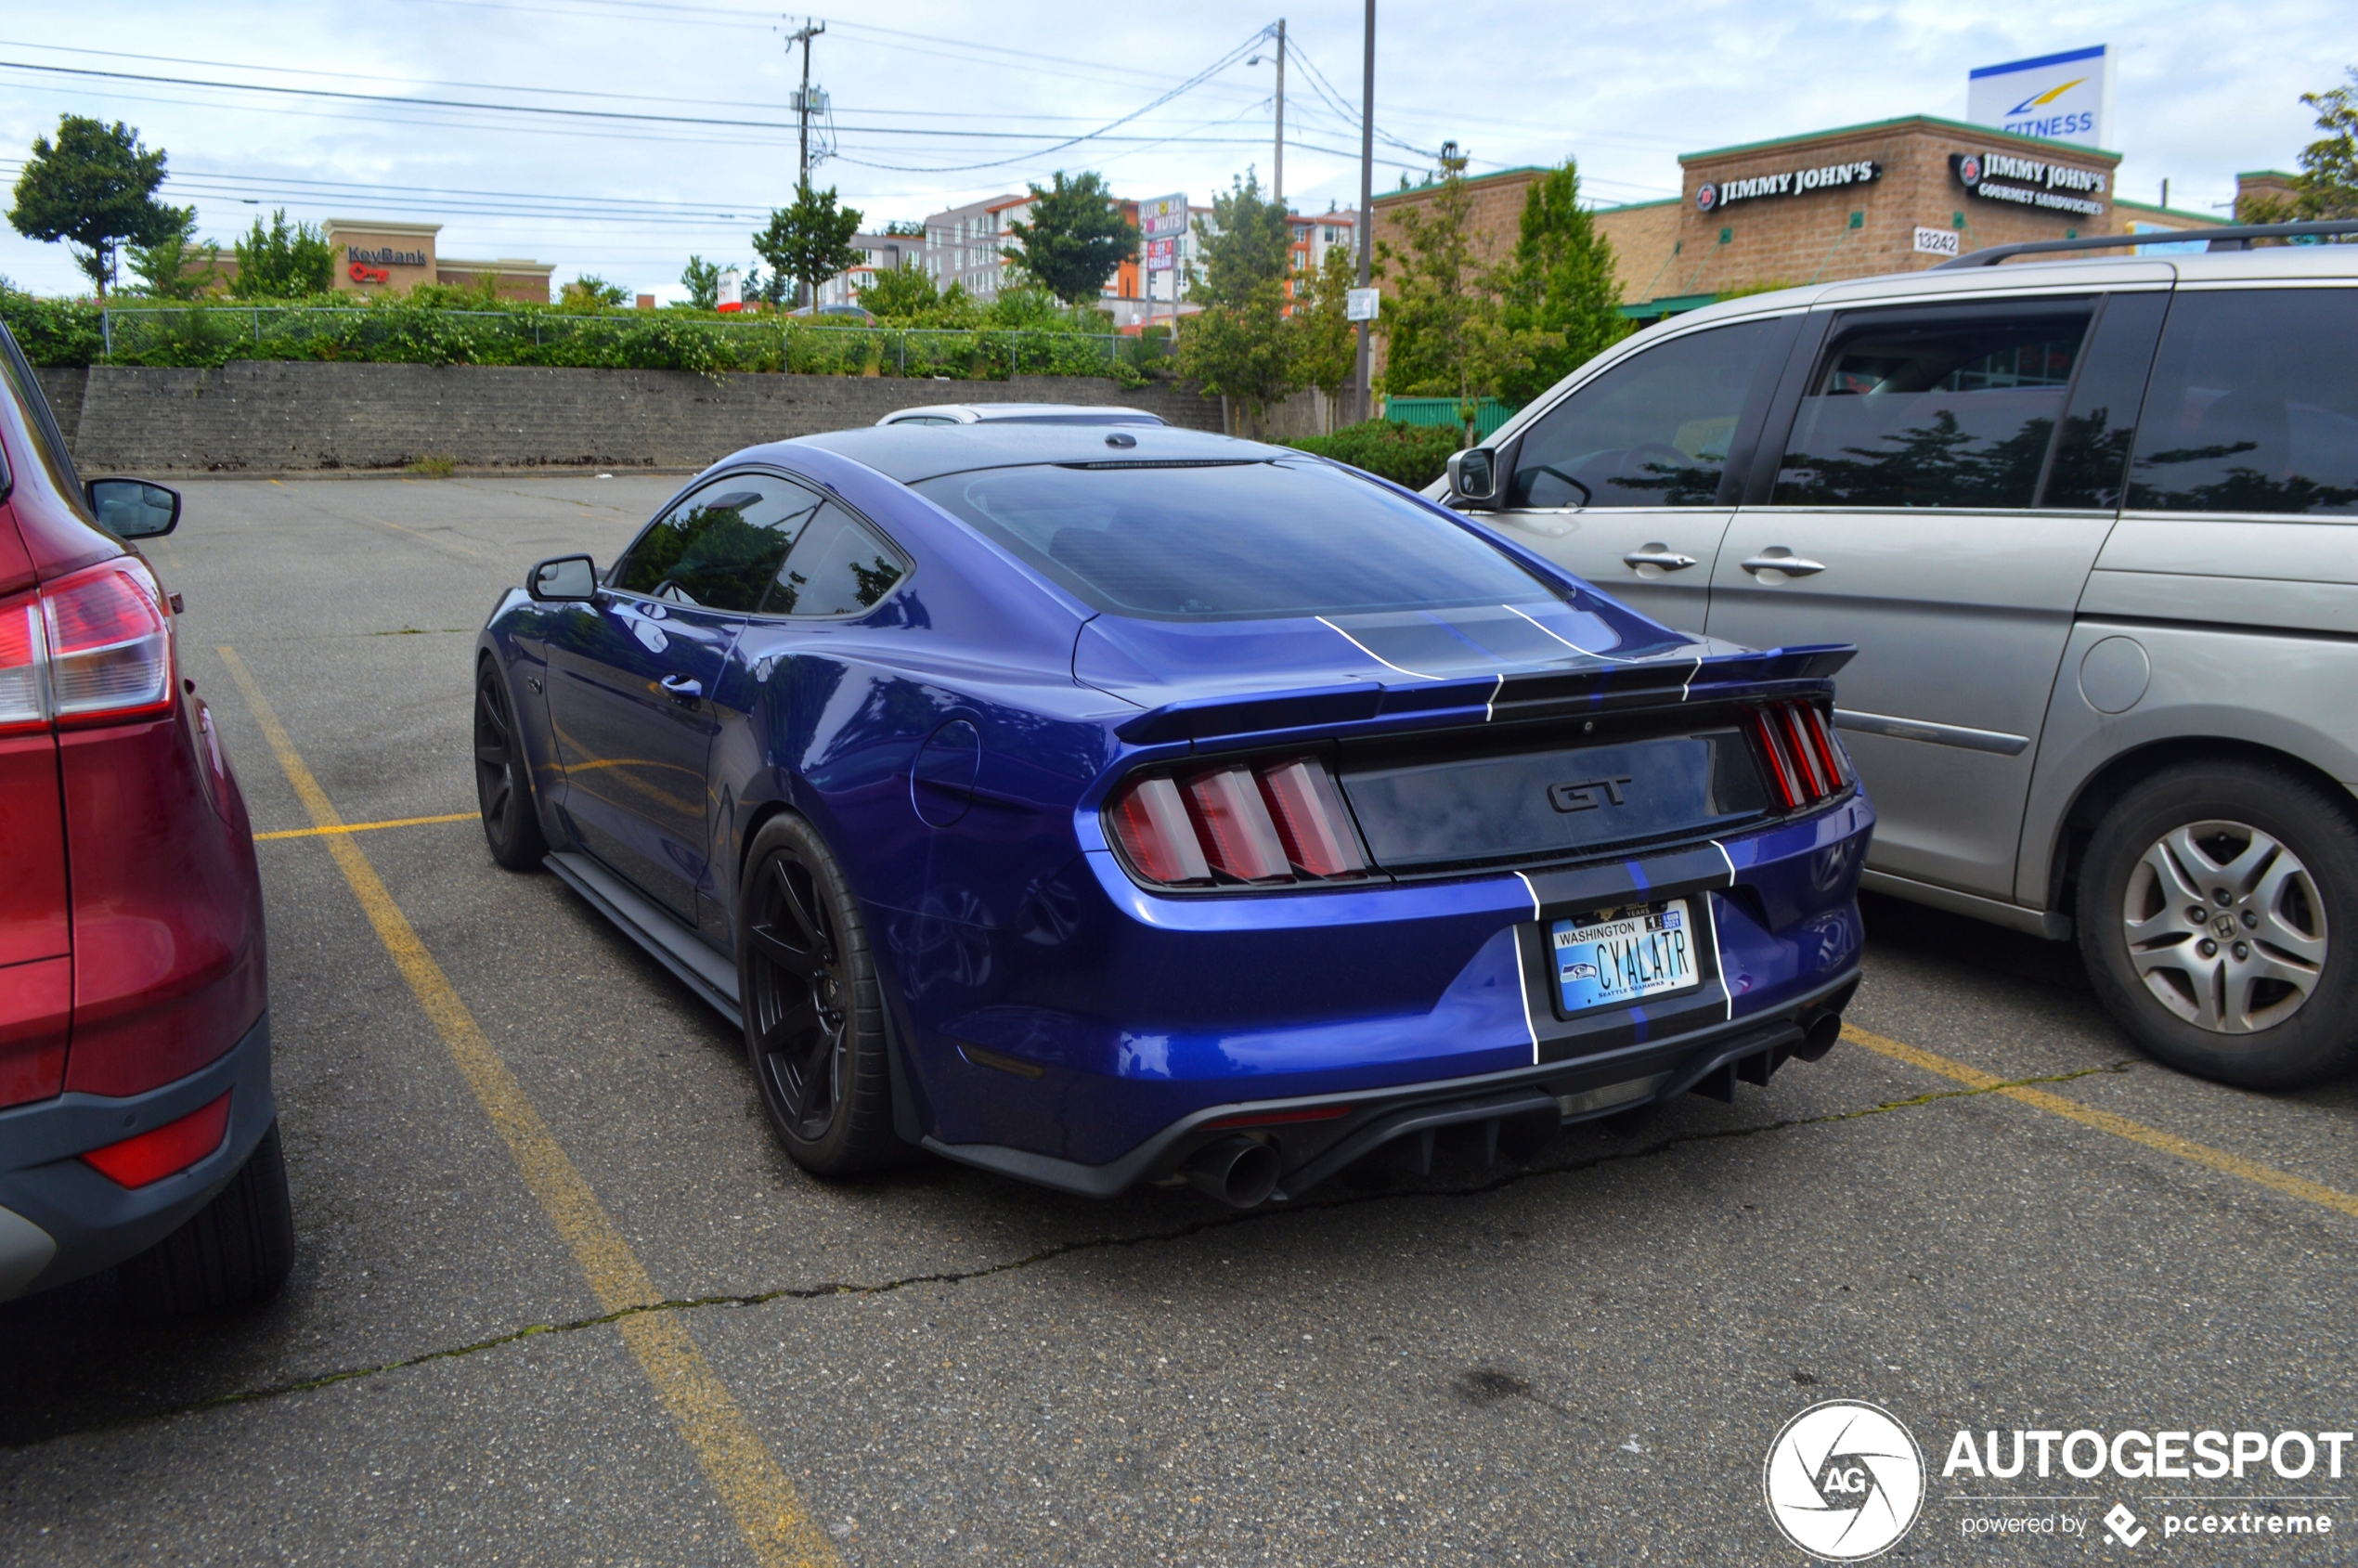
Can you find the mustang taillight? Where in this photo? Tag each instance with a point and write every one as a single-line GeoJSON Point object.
{"type": "Point", "coordinates": [91, 648]}
{"type": "Point", "coordinates": [1805, 764]}
{"type": "Point", "coordinates": [1265, 824]}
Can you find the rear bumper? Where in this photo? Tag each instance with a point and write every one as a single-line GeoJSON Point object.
{"type": "Point", "coordinates": [61, 1220]}
{"type": "Point", "coordinates": [1512, 1112]}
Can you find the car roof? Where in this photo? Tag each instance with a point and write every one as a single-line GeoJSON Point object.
{"type": "Point", "coordinates": [910, 453]}
{"type": "Point", "coordinates": [1064, 413]}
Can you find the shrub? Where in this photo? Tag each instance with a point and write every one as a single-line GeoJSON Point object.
{"type": "Point", "coordinates": [1413, 455]}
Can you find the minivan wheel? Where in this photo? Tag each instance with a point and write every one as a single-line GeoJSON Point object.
{"type": "Point", "coordinates": [2218, 912]}
{"type": "Point", "coordinates": [504, 777]}
{"type": "Point", "coordinates": [813, 1011]}
{"type": "Point", "coordinates": [235, 1249]}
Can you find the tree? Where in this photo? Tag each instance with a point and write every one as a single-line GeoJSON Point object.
{"type": "Point", "coordinates": [702, 279]}
{"type": "Point", "coordinates": [902, 293]}
{"type": "Point", "coordinates": [1445, 334]}
{"type": "Point", "coordinates": [1326, 349]}
{"type": "Point", "coordinates": [591, 292]}
{"type": "Point", "coordinates": [2327, 185]}
{"type": "Point", "coordinates": [283, 262]}
{"type": "Point", "coordinates": [1076, 237]}
{"type": "Point", "coordinates": [1559, 282]}
{"type": "Point", "coordinates": [1242, 348]}
{"type": "Point", "coordinates": [808, 243]}
{"type": "Point", "coordinates": [172, 268]}
{"type": "Point", "coordinates": [94, 187]}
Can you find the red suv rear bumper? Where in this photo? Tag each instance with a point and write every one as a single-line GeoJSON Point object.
{"type": "Point", "coordinates": [61, 1219]}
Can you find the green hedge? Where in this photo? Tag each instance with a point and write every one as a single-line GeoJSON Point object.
{"type": "Point", "coordinates": [1406, 454]}
{"type": "Point", "coordinates": [75, 332]}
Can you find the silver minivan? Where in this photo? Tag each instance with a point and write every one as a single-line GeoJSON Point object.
{"type": "Point", "coordinates": [2092, 524]}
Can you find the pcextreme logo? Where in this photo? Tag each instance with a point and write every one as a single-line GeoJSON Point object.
{"type": "Point", "coordinates": [2050, 96]}
{"type": "Point", "coordinates": [1844, 1481]}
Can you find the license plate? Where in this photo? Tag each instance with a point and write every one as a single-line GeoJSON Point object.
{"type": "Point", "coordinates": [1625, 954]}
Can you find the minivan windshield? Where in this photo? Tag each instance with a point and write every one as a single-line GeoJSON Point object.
{"type": "Point", "coordinates": [1231, 541]}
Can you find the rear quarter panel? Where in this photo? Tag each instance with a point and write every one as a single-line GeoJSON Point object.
{"type": "Point", "coordinates": [2281, 688]}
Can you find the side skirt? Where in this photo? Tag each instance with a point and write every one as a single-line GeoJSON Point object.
{"type": "Point", "coordinates": [677, 949]}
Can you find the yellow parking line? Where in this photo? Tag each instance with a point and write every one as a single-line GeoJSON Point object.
{"type": "Point", "coordinates": [2218, 1159]}
{"type": "Point", "coordinates": [364, 827]}
{"type": "Point", "coordinates": [740, 1467]}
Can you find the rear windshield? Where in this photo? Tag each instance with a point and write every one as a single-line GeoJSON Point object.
{"type": "Point", "coordinates": [1235, 541]}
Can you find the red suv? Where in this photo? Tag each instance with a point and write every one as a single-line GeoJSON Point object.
{"type": "Point", "coordinates": [136, 1122]}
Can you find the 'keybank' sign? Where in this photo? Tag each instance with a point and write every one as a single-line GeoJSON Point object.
{"type": "Point", "coordinates": [2054, 97]}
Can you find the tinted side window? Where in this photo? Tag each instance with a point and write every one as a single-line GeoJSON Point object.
{"type": "Point", "coordinates": [838, 566]}
{"type": "Point", "coordinates": [1652, 431]}
{"type": "Point", "coordinates": [720, 546]}
{"type": "Point", "coordinates": [1954, 411]}
{"type": "Point", "coordinates": [2254, 407]}
{"type": "Point", "coordinates": [2091, 454]}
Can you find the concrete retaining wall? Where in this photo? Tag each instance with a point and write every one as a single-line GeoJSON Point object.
{"type": "Point", "coordinates": [263, 416]}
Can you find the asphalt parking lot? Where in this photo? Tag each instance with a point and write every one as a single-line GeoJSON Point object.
{"type": "Point", "coordinates": [561, 1299]}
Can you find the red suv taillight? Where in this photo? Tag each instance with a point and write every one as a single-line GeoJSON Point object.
{"type": "Point", "coordinates": [1804, 763]}
{"type": "Point", "coordinates": [1260, 823]}
{"type": "Point", "coordinates": [92, 648]}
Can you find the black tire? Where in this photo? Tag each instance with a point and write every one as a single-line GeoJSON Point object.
{"type": "Point", "coordinates": [504, 777]}
{"type": "Point", "coordinates": [2218, 913]}
{"type": "Point", "coordinates": [813, 1011]}
{"type": "Point", "coordinates": [236, 1249]}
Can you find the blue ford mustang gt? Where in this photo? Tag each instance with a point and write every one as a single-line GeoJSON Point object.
{"type": "Point", "coordinates": [1114, 806]}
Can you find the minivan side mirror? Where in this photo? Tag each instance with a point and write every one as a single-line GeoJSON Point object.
{"type": "Point", "coordinates": [133, 509]}
{"type": "Point", "coordinates": [562, 579]}
{"type": "Point", "coordinates": [1473, 474]}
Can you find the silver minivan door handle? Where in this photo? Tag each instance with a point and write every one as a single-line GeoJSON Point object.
{"type": "Point", "coordinates": [682, 688]}
{"type": "Point", "coordinates": [1659, 556]}
{"type": "Point", "coordinates": [1777, 558]}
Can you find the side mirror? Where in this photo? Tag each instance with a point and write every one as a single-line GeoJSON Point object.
{"type": "Point", "coordinates": [562, 579]}
{"type": "Point", "coordinates": [133, 509]}
{"type": "Point", "coordinates": [1473, 474]}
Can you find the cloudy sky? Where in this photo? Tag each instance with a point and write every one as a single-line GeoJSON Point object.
{"type": "Point", "coordinates": [617, 137]}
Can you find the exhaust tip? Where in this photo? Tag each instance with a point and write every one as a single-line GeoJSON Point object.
{"type": "Point", "coordinates": [1239, 1171]}
{"type": "Point", "coordinates": [1818, 1036]}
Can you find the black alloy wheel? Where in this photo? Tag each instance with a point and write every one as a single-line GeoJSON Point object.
{"type": "Point", "coordinates": [2217, 904]}
{"type": "Point", "coordinates": [504, 777]}
{"type": "Point", "coordinates": [813, 1012]}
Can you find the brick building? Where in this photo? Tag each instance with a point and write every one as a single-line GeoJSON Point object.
{"type": "Point", "coordinates": [1894, 195]}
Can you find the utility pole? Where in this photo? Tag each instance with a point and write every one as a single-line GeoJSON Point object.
{"type": "Point", "coordinates": [1278, 162]}
{"type": "Point", "coordinates": [811, 28]}
{"type": "Point", "coordinates": [1366, 205]}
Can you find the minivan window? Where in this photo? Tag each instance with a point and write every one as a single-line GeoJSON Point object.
{"type": "Point", "coordinates": [2253, 407]}
{"type": "Point", "coordinates": [1231, 540]}
{"type": "Point", "coordinates": [1652, 430]}
{"type": "Point", "coordinates": [1952, 410]}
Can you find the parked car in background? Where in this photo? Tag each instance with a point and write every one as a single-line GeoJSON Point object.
{"type": "Point", "coordinates": [137, 1125]}
{"type": "Point", "coordinates": [1018, 413]}
{"type": "Point", "coordinates": [2093, 525]}
{"type": "Point", "coordinates": [1104, 807]}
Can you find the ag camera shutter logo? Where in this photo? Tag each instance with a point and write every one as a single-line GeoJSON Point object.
{"type": "Point", "coordinates": [1844, 1481]}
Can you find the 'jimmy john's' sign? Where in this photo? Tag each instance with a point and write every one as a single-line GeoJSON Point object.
{"type": "Point", "coordinates": [2028, 182]}
{"type": "Point", "coordinates": [1714, 195]}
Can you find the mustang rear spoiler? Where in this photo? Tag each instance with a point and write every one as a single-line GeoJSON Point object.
{"type": "Point", "coordinates": [1535, 693]}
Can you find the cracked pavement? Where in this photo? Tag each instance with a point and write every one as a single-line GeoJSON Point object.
{"type": "Point", "coordinates": [1582, 1360]}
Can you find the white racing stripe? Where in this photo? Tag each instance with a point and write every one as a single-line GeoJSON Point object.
{"type": "Point", "coordinates": [1371, 653]}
